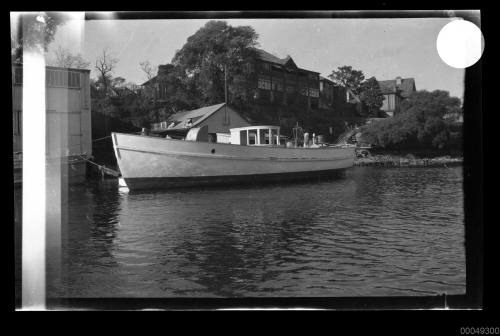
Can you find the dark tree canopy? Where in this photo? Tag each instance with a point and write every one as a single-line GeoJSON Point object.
{"type": "Point", "coordinates": [348, 77]}
{"type": "Point", "coordinates": [420, 124]}
{"type": "Point", "coordinates": [437, 103]}
{"type": "Point", "coordinates": [371, 96]}
{"type": "Point", "coordinates": [178, 90]}
{"type": "Point", "coordinates": [206, 54]}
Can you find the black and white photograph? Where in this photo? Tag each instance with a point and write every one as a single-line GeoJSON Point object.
{"type": "Point", "coordinates": [220, 156]}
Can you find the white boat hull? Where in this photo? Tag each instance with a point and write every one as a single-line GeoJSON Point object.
{"type": "Point", "coordinates": [151, 162]}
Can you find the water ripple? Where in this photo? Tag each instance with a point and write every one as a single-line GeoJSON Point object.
{"type": "Point", "coordinates": [373, 232]}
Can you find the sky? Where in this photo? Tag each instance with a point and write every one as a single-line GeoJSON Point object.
{"type": "Point", "coordinates": [384, 48]}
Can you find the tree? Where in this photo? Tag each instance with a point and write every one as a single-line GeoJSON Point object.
{"type": "Point", "coordinates": [34, 31]}
{"type": "Point", "coordinates": [371, 96]}
{"type": "Point", "coordinates": [420, 124]}
{"type": "Point", "coordinates": [349, 78]}
{"type": "Point", "coordinates": [64, 59]}
{"type": "Point", "coordinates": [118, 82]}
{"type": "Point", "coordinates": [105, 65]}
{"type": "Point", "coordinates": [148, 69]}
{"type": "Point", "coordinates": [215, 48]}
{"type": "Point", "coordinates": [437, 103]}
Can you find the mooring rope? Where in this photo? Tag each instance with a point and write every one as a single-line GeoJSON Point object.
{"type": "Point", "coordinates": [101, 167]}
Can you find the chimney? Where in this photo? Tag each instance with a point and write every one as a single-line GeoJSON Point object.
{"type": "Point", "coordinates": [398, 81]}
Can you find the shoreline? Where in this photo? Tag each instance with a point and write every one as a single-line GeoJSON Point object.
{"type": "Point", "coordinates": [402, 161]}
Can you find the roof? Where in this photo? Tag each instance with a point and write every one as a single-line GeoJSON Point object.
{"type": "Point", "coordinates": [265, 56]}
{"type": "Point", "coordinates": [406, 88]}
{"type": "Point", "coordinates": [321, 78]}
{"type": "Point", "coordinates": [268, 57]}
{"type": "Point", "coordinates": [179, 121]}
{"type": "Point", "coordinates": [149, 81]}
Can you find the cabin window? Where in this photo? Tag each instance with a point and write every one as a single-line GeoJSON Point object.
{"type": "Point", "coordinates": [252, 137]}
{"type": "Point", "coordinates": [264, 137]}
{"type": "Point", "coordinates": [274, 136]}
{"type": "Point", "coordinates": [243, 137]}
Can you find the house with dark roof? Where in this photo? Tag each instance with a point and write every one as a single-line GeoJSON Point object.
{"type": "Point", "coordinates": [218, 118]}
{"type": "Point", "coordinates": [395, 91]}
{"type": "Point", "coordinates": [281, 81]}
{"type": "Point", "coordinates": [330, 94]}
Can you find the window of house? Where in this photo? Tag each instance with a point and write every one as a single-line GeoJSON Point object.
{"type": "Point", "coordinates": [314, 93]}
{"type": "Point", "coordinates": [314, 103]}
{"type": "Point", "coordinates": [266, 66]}
{"type": "Point", "coordinates": [74, 79]}
{"type": "Point", "coordinates": [264, 84]}
{"type": "Point", "coordinates": [248, 68]}
{"type": "Point", "coordinates": [61, 78]}
{"type": "Point", "coordinates": [277, 86]}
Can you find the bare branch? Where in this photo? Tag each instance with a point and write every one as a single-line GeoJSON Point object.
{"type": "Point", "coordinates": [64, 58]}
{"type": "Point", "coordinates": [105, 65]}
{"type": "Point", "coordinates": [148, 69]}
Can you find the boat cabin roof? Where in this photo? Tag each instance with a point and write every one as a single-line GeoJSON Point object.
{"type": "Point", "coordinates": [255, 127]}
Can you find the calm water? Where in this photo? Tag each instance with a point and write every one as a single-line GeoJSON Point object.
{"type": "Point", "coordinates": [373, 232]}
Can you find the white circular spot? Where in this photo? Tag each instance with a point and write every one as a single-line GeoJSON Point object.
{"type": "Point", "coordinates": [460, 44]}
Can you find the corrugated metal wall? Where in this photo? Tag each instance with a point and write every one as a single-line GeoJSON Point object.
{"type": "Point", "coordinates": [68, 113]}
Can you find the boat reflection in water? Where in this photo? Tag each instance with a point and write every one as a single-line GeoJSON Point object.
{"type": "Point", "coordinates": [376, 232]}
{"type": "Point", "coordinates": [254, 154]}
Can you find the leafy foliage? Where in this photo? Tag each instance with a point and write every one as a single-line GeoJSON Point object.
{"type": "Point", "coordinates": [371, 96]}
{"type": "Point", "coordinates": [421, 123]}
{"type": "Point", "coordinates": [35, 31]}
{"type": "Point", "coordinates": [349, 78]}
{"type": "Point", "coordinates": [214, 48]}
{"type": "Point", "coordinates": [367, 92]}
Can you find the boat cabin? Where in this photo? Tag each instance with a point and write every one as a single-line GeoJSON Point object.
{"type": "Point", "coordinates": [256, 136]}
